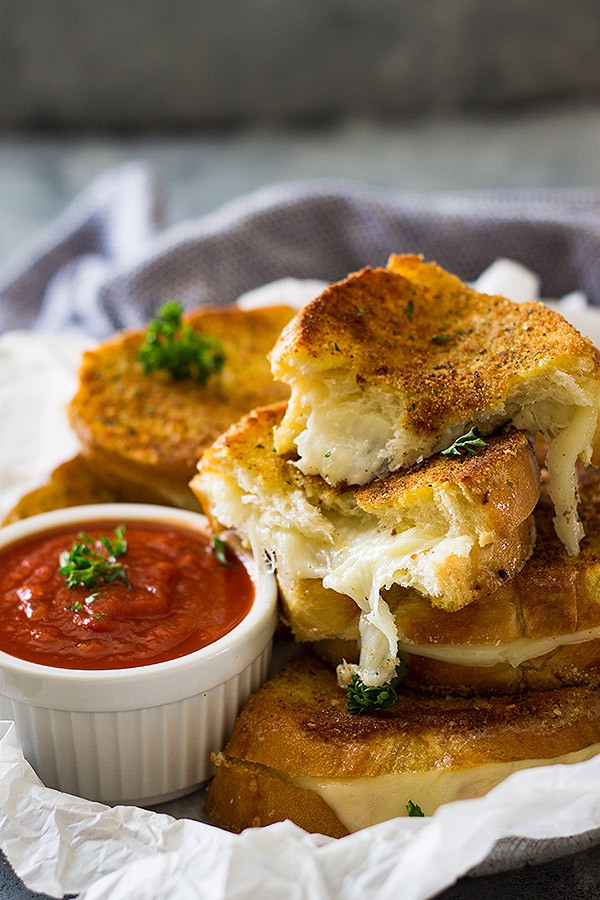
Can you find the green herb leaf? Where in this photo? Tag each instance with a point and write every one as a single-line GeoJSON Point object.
{"type": "Point", "coordinates": [328, 454]}
{"type": "Point", "coordinates": [361, 698]}
{"type": "Point", "coordinates": [413, 809]}
{"type": "Point", "coordinates": [219, 549]}
{"type": "Point", "coordinates": [86, 565]}
{"type": "Point", "coordinates": [409, 309]}
{"type": "Point", "coordinates": [439, 338]}
{"type": "Point", "coordinates": [173, 345]}
{"type": "Point", "coordinates": [470, 442]}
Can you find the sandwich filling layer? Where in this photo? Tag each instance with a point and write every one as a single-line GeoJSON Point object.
{"type": "Point", "coordinates": [515, 653]}
{"type": "Point", "coordinates": [361, 802]}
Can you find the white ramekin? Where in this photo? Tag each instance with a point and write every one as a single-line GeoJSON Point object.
{"type": "Point", "coordinates": [142, 735]}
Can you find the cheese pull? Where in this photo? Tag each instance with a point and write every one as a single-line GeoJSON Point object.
{"type": "Point", "coordinates": [450, 529]}
{"type": "Point", "coordinates": [539, 629]}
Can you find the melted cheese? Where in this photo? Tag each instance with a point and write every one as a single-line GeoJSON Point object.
{"type": "Point", "coordinates": [357, 561]}
{"type": "Point", "coordinates": [515, 653]}
{"type": "Point", "coordinates": [361, 802]}
{"type": "Point", "coordinates": [347, 435]}
{"type": "Point", "coordinates": [571, 443]}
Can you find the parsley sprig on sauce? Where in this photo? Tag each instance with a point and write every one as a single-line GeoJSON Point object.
{"type": "Point", "coordinates": [470, 442]}
{"type": "Point", "coordinates": [87, 565]}
{"type": "Point", "coordinates": [171, 344]}
{"type": "Point", "coordinates": [361, 698]}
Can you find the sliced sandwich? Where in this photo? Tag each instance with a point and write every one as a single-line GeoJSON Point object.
{"type": "Point", "coordinates": [452, 528]}
{"type": "Point", "coordinates": [337, 772]}
{"type": "Point", "coordinates": [540, 629]}
{"type": "Point", "coordinates": [142, 432]}
{"type": "Point", "coordinates": [393, 365]}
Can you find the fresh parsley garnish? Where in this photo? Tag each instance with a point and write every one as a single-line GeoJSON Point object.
{"type": "Point", "coordinates": [219, 549]}
{"type": "Point", "coordinates": [470, 442]}
{"type": "Point", "coordinates": [413, 809]}
{"type": "Point", "coordinates": [171, 344]}
{"type": "Point", "coordinates": [361, 698]}
{"type": "Point", "coordinates": [86, 565]}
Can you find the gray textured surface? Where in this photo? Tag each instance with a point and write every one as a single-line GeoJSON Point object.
{"type": "Point", "coordinates": [187, 62]}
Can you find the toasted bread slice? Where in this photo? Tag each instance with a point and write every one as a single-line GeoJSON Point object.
{"type": "Point", "coordinates": [143, 434]}
{"type": "Point", "coordinates": [540, 629]}
{"type": "Point", "coordinates": [71, 484]}
{"type": "Point", "coordinates": [392, 365]}
{"type": "Point", "coordinates": [436, 527]}
{"type": "Point", "coordinates": [297, 753]}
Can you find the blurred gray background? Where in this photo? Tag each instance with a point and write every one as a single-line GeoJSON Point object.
{"type": "Point", "coordinates": [222, 96]}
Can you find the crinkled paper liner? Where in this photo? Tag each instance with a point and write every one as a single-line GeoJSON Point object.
{"type": "Point", "coordinates": [61, 844]}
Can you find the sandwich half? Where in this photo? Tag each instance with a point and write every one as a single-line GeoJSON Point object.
{"type": "Point", "coordinates": [337, 772]}
{"type": "Point", "coordinates": [143, 433]}
{"type": "Point", "coordinates": [393, 365]}
{"type": "Point", "coordinates": [451, 528]}
{"type": "Point", "coordinates": [540, 629]}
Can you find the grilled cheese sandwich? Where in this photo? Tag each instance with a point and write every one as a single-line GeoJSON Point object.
{"type": "Point", "coordinates": [392, 365]}
{"type": "Point", "coordinates": [445, 527]}
{"type": "Point", "coordinates": [336, 772]}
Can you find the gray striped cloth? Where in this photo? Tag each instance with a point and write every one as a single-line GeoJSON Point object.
{"type": "Point", "coordinates": [106, 263]}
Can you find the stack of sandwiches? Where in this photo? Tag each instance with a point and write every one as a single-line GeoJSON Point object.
{"type": "Point", "coordinates": [416, 539]}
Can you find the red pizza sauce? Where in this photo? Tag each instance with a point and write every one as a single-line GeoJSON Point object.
{"type": "Point", "coordinates": [180, 598]}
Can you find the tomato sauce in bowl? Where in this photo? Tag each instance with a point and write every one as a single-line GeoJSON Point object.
{"type": "Point", "coordinates": [178, 596]}
{"type": "Point", "coordinates": [122, 686]}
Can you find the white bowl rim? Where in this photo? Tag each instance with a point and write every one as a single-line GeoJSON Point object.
{"type": "Point", "coordinates": [262, 607]}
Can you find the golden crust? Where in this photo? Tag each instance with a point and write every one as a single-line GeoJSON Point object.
{"type": "Point", "coordinates": [506, 498]}
{"type": "Point", "coordinates": [415, 330]}
{"type": "Point", "coordinates": [71, 484]}
{"type": "Point", "coordinates": [501, 483]}
{"type": "Point", "coordinates": [246, 796]}
{"type": "Point", "coordinates": [419, 734]}
{"type": "Point", "coordinates": [145, 433]}
{"type": "Point", "coordinates": [554, 594]}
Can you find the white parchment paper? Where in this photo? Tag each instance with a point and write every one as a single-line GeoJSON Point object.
{"type": "Point", "coordinates": [61, 844]}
